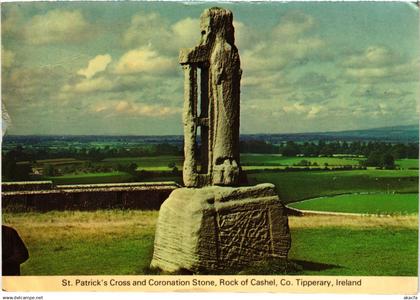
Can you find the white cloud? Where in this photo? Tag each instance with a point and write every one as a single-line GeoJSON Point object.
{"type": "Point", "coordinates": [128, 108]}
{"type": "Point", "coordinates": [376, 64]}
{"type": "Point", "coordinates": [258, 59]}
{"type": "Point", "coordinates": [407, 71]}
{"type": "Point", "coordinates": [295, 108]}
{"type": "Point", "coordinates": [367, 72]}
{"type": "Point", "coordinates": [244, 36]}
{"type": "Point", "coordinates": [146, 29]}
{"type": "Point", "coordinates": [306, 111]}
{"type": "Point", "coordinates": [373, 57]}
{"type": "Point", "coordinates": [7, 58]}
{"type": "Point", "coordinates": [314, 111]}
{"type": "Point", "coordinates": [10, 19]}
{"type": "Point", "coordinates": [269, 82]}
{"type": "Point", "coordinates": [287, 43]}
{"type": "Point", "coordinates": [144, 60]}
{"type": "Point", "coordinates": [56, 26]}
{"type": "Point", "coordinates": [293, 24]}
{"type": "Point", "coordinates": [186, 33]}
{"type": "Point", "coordinates": [380, 91]}
{"type": "Point", "coordinates": [268, 67]}
{"type": "Point", "coordinates": [153, 30]}
{"type": "Point", "coordinates": [31, 82]}
{"type": "Point", "coordinates": [89, 86]}
{"type": "Point", "coordinates": [95, 65]}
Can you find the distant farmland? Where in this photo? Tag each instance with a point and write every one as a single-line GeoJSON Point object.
{"type": "Point", "coordinates": [296, 186]}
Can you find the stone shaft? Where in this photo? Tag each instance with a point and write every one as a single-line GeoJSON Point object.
{"type": "Point", "coordinates": [215, 109]}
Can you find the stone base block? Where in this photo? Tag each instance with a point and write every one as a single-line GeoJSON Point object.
{"type": "Point", "coordinates": [219, 228]}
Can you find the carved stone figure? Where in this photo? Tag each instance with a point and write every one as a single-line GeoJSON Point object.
{"type": "Point", "coordinates": [217, 59]}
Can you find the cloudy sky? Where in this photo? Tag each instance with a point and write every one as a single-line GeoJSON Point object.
{"type": "Point", "coordinates": [111, 67]}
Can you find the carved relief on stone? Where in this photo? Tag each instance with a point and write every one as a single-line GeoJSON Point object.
{"type": "Point", "coordinates": [220, 228]}
{"type": "Point", "coordinates": [217, 60]}
{"type": "Point", "coordinates": [243, 234]}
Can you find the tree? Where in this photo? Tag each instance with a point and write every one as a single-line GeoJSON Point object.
{"type": "Point", "coordinates": [374, 159]}
{"type": "Point", "coordinates": [381, 160]}
{"type": "Point", "coordinates": [132, 168]}
{"type": "Point", "coordinates": [304, 162]}
{"type": "Point", "coordinates": [48, 170]}
{"type": "Point", "coordinates": [309, 149]}
{"type": "Point", "coordinates": [388, 161]}
{"type": "Point", "coordinates": [291, 149]}
{"type": "Point", "coordinates": [327, 150]}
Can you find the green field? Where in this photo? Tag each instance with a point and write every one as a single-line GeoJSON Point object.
{"type": "Point", "coordinates": [59, 161]}
{"type": "Point", "coordinates": [152, 163]}
{"type": "Point", "coordinates": [291, 186]}
{"type": "Point", "coordinates": [250, 161]}
{"type": "Point", "coordinates": [407, 163]}
{"type": "Point", "coordinates": [120, 242]}
{"type": "Point", "coordinates": [82, 178]}
{"type": "Point", "coordinates": [363, 252]}
{"type": "Point", "coordinates": [295, 186]}
{"type": "Point", "coordinates": [364, 203]}
{"type": "Point", "coordinates": [278, 160]}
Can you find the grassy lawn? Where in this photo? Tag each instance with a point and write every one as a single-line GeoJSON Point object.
{"type": "Point", "coordinates": [364, 203]}
{"type": "Point", "coordinates": [106, 177]}
{"type": "Point", "coordinates": [355, 245]}
{"type": "Point", "coordinates": [295, 186]}
{"type": "Point", "coordinates": [407, 163]}
{"type": "Point", "coordinates": [121, 242]}
{"type": "Point", "coordinates": [102, 242]}
{"type": "Point", "coordinates": [367, 252]}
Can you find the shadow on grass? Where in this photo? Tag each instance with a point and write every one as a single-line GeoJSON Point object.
{"type": "Point", "coordinates": [270, 267]}
{"type": "Point", "coordinates": [314, 266]}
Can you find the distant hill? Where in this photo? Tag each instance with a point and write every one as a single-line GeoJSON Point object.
{"type": "Point", "coordinates": [394, 134]}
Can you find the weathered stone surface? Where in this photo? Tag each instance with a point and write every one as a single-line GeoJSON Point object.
{"type": "Point", "coordinates": [218, 228]}
{"type": "Point", "coordinates": [217, 59]}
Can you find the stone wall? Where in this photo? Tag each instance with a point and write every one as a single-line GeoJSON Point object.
{"type": "Point", "coordinates": [44, 196]}
{"type": "Point", "coordinates": [26, 186]}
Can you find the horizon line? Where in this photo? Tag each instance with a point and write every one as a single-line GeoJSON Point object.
{"type": "Point", "coordinates": [242, 134]}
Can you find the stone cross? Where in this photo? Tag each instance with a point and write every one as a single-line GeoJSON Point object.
{"type": "Point", "coordinates": [218, 225]}
{"type": "Point", "coordinates": [214, 64]}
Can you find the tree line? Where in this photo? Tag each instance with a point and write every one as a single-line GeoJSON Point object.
{"type": "Point", "coordinates": [323, 148]}
{"type": "Point", "coordinates": [378, 154]}
{"type": "Point", "coordinates": [29, 153]}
